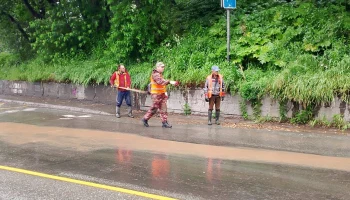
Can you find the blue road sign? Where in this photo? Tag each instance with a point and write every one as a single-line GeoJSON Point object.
{"type": "Point", "coordinates": [229, 4]}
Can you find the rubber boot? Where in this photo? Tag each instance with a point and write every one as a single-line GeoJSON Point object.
{"type": "Point", "coordinates": [117, 112]}
{"type": "Point", "coordinates": [130, 112]}
{"type": "Point", "coordinates": [217, 117]}
{"type": "Point", "coordinates": [166, 125]}
{"type": "Point", "coordinates": [210, 114]}
{"type": "Point", "coordinates": [145, 122]}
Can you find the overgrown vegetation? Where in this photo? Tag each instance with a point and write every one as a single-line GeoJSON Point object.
{"type": "Point", "coordinates": [243, 109]}
{"type": "Point", "coordinates": [283, 111]}
{"type": "Point", "coordinates": [303, 116]}
{"type": "Point", "coordinates": [295, 50]}
{"type": "Point", "coordinates": [187, 109]}
{"type": "Point", "coordinates": [337, 122]}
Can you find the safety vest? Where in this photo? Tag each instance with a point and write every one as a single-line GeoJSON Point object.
{"type": "Point", "coordinates": [116, 81]}
{"type": "Point", "coordinates": [156, 88]}
{"type": "Point", "coordinates": [210, 85]}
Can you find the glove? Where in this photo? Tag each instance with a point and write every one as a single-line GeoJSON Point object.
{"type": "Point", "coordinates": [176, 83]}
{"type": "Point", "coordinates": [222, 98]}
{"type": "Point", "coordinates": [206, 98]}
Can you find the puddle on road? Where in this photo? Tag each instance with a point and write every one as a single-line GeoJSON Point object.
{"type": "Point", "coordinates": [208, 178]}
{"type": "Point", "coordinates": [88, 140]}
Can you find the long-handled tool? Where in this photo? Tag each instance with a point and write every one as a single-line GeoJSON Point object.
{"type": "Point", "coordinates": [135, 90]}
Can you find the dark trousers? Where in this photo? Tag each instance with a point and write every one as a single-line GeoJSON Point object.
{"type": "Point", "coordinates": [124, 95]}
{"type": "Point", "coordinates": [214, 100]}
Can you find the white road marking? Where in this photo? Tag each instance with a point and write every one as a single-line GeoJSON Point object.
{"type": "Point", "coordinates": [84, 116]}
{"type": "Point", "coordinates": [29, 109]}
{"type": "Point", "coordinates": [69, 116]}
{"type": "Point", "coordinates": [73, 116]}
{"type": "Point", "coordinates": [11, 111]}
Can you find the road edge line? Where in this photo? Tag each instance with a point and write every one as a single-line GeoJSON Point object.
{"type": "Point", "coordinates": [86, 183]}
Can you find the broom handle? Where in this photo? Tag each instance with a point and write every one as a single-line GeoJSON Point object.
{"type": "Point", "coordinates": [135, 90]}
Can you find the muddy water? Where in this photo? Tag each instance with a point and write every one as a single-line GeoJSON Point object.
{"type": "Point", "coordinates": [88, 140]}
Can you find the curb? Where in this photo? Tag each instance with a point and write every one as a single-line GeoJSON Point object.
{"type": "Point", "coordinates": [75, 109]}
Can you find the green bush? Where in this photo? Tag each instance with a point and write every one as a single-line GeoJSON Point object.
{"type": "Point", "coordinates": [9, 60]}
{"type": "Point", "coordinates": [339, 122]}
{"type": "Point", "coordinates": [303, 116]}
{"type": "Point", "coordinates": [187, 109]}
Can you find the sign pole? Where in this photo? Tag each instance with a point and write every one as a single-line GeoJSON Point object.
{"type": "Point", "coordinates": [228, 35]}
{"type": "Point", "coordinates": [228, 5]}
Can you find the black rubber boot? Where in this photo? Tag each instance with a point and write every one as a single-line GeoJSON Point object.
{"type": "Point", "coordinates": [166, 125]}
{"type": "Point", "coordinates": [210, 114]}
{"type": "Point", "coordinates": [145, 122]}
{"type": "Point", "coordinates": [217, 116]}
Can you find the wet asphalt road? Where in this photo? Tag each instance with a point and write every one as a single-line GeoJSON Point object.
{"type": "Point", "coordinates": [19, 186]}
{"type": "Point", "coordinates": [96, 149]}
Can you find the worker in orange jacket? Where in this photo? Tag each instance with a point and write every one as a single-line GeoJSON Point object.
{"type": "Point", "coordinates": [214, 91]}
{"type": "Point", "coordinates": [121, 80]}
{"type": "Point", "coordinates": [159, 96]}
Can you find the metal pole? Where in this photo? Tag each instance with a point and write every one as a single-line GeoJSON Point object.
{"type": "Point", "coordinates": [228, 35]}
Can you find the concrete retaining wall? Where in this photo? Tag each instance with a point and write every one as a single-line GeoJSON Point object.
{"type": "Point", "coordinates": [177, 99]}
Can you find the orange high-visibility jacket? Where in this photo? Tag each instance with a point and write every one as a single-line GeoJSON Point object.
{"type": "Point", "coordinates": [157, 88]}
{"type": "Point", "coordinates": [210, 87]}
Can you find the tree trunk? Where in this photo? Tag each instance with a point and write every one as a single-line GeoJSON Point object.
{"type": "Point", "coordinates": [52, 2]}
{"type": "Point", "coordinates": [19, 27]}
{"type": "Point", "coordinates": [31, 10]}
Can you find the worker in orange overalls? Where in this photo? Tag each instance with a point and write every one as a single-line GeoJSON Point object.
{"type": "Point", "coordinates": [214, 91]}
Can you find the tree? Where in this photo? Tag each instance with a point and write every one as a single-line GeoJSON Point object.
{"type": "Point", "coordinates": [139, 27]}
{"type": "Point", "coordinates": [70, 27]}
{"type": "Point", "coordinates": [14, 25]}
